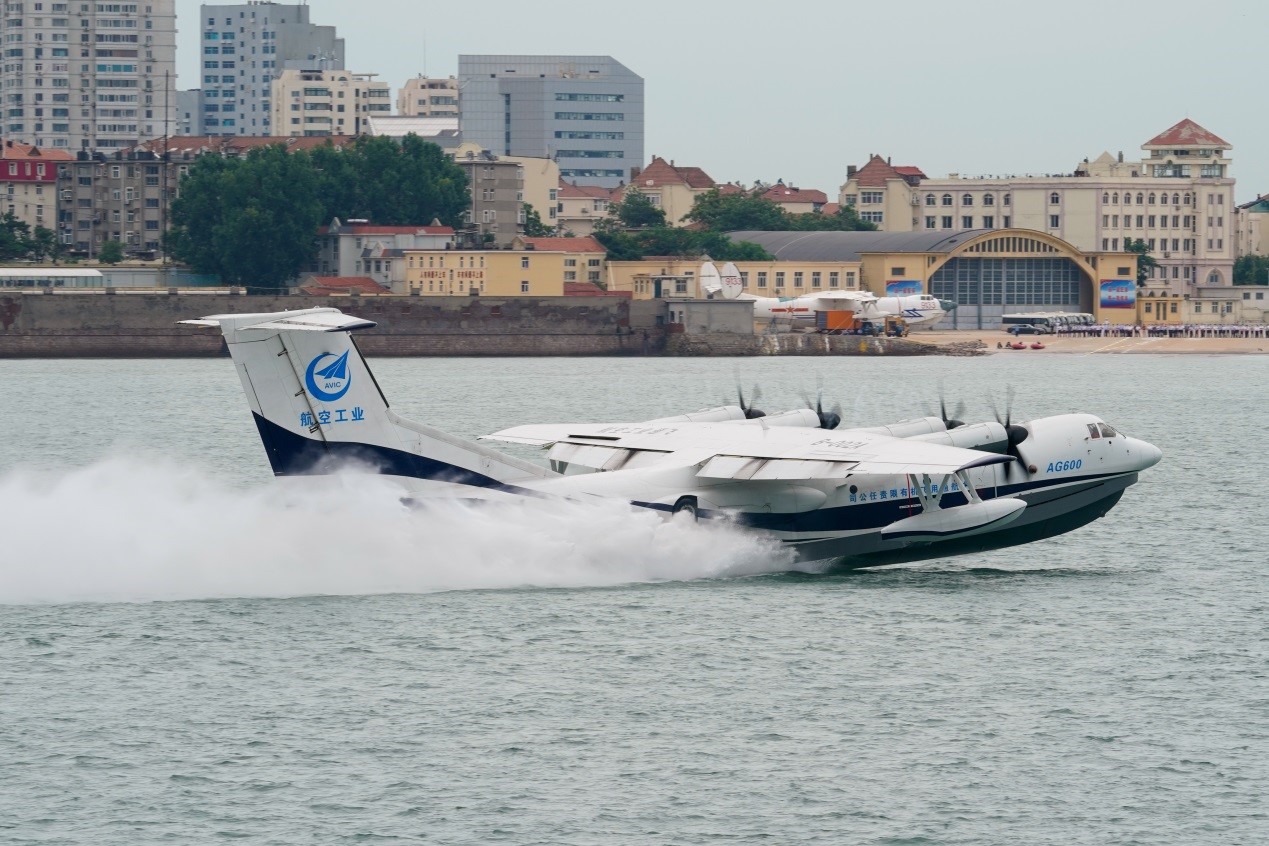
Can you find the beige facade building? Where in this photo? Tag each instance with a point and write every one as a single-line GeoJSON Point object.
{"type": "Point", "coordinates": [536, 267]}
{"type": "Point", "coordinates": [669, 187]}
{"type": "Point", "coordinates": [327, 102]}
{"type": "Point", "coordinates": [580, 207]}
{"type": "Point", "coordinates": [671, 277]}
{"type": "Point", "coordinates": [500, 186]}
{"type": "Point", "coordinates": [1178, 199]}
{"type": "Point", "coordinates": [428, 97]}
{"type": "Point", "coordinates": [1252, 222]}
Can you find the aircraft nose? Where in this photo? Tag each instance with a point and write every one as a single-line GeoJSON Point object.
{"type": "Point", "coordinates": [947, 305]}
{"type": "Point", "coordinates": [1148, 454]}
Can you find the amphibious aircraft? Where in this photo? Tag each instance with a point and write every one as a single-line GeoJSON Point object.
{"type": "Point", "coordinates": [904, 491]}
{"type": "Point", "coordinates": [916, 309]}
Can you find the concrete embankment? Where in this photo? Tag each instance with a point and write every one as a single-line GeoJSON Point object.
{"type": "Point", "coordinates": [145, 325]}
{"type": "Point", "coordinates": [126, 325]}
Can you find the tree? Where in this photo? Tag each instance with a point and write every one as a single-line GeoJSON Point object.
{"type": "Point", "coordinates": [252, 220]}
{"type": "Point", "coordinates": [632, 245]}
{"type": "Point", "coordinates": [845, 219]}
{"type": "Point", "coordinates": [15, 238]}
{"type": "Point", "coordinates": [1145, 262]}
{"type": "Point", "coordinates": [533, 225]}
{"type": "Point", "coordinates": [1251, 270]}
{"type": "Point", "coordinates": [111, 252]}
{"type": "Point", "coordinates": [721, 212]}
{"type": "Point", "coordinates": [44, 244]}
{"type": "Point", "coordinates": [637, 211]}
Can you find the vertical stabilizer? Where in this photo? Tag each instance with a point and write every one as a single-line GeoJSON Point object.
{"type": "Point", "coordinates": [318, 407]}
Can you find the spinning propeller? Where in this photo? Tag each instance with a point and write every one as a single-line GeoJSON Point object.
{"type": "Point", "coordinates": [830, 419]}
{"type": "Point", "coordinates": [749, 409]}
{"type": "Point", "coordinates": [1016, 434]}
{"type": "Point", "coordinates": [959, 412]}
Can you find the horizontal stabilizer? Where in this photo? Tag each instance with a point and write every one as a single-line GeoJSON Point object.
{"type": "Point", "coordinates": [303, 320]}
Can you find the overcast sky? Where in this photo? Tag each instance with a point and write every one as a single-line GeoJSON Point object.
{"type": "Point", "coordinates": [800, 89]}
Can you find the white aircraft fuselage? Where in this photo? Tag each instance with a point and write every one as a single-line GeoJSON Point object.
{"type": "Point", "coordinates": [905, 491]}
{"type": "Point", "coordinates": [917, 309]}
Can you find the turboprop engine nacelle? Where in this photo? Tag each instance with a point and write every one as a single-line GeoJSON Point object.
{"type": "Point", "coordinates": [990, 437]}
{"type": "Point", "coordinates": [909, 428]}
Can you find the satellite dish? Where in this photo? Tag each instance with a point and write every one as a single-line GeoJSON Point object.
{"type": "Point", "coordinates": [733, 284]}
{"type": "Point", "coordinates": [711, 283]}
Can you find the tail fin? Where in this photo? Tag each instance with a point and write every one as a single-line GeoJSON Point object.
{"type": "Point", "coordinates": [317, 405]}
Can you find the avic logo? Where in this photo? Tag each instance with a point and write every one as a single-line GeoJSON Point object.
{"type": "Point", "coordinates": [330, 382]}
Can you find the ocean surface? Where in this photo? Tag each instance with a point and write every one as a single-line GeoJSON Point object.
{"type": "Point", "coordinates": [192, 652]}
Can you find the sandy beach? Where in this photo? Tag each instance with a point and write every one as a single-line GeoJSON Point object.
{"type": "Point", "coordinates": [1108, 346]}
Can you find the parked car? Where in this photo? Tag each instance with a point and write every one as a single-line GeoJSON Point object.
{"type": "Point", "coordinates": [1028, 330]}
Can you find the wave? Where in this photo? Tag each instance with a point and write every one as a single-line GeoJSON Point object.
{"type": "Point", "coordinates": [127, 529]}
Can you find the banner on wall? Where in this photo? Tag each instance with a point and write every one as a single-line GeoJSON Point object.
{"type": "Point", "coordinates": [1118, 293]}
{"type": "Point", "coordinates": [902, 287]}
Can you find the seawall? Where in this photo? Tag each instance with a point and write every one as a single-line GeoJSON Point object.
{"type": "Point", "coordinates": [128, 325]}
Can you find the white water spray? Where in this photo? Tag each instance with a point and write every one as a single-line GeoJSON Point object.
{"type": "Point", "coordinates": [125, 529]}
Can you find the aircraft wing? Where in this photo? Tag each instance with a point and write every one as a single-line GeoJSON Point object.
{"type": "Point", "coordinates": [730, 451]}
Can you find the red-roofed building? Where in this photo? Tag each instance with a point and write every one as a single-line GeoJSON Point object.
{"type": "Point", "coordinates": [1178, 199]}
{"type": "Point", "coordinates": [796, 200]}
{"type": "Point", "coordinates": [1186, 133]}
{"type": "Point", "coordinates": [28, 179]}
{"type": "Point", "coordinates": [670, 187]}
{"type": "Point", "coordinates": [357, 247]}
{"type": "Point", "coordinates": [332, 286]}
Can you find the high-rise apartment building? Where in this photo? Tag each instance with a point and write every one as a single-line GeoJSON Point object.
{"type": "Point", "coordinates": [88, 75]}
{"type": "Point", "coordinates": [424, 97]}
{"type": "Point", "coordinates": [585, 112]}
{"type": "Point", "coordinates": [309, 103]}
{"type": "Point", "coordinates": [244, 47]}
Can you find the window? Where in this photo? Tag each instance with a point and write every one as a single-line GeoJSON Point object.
{"type": "Point", "coordinates": [967, 200]}
{"type": "Point", "coordinates": [989, 199]}
{"type": "Point", "coordinates": [816, 280]}
{"type": "Point", "coordinates": [872, 216]}
{"type": "Point", "coordinates": [1151, 198]}
{"type": "Point", "coordinates": [1054, 221]}
{"type": "Point", "coordinates": [1055, 199]}
{"type": "Point", "coordinates": [797, 279]}
{"type": "Point", "coordinates": [1008, 197]}
{"type": "Point", "coordinates": [931, 222]}
{"type": "Point", "coordinates": [832, 279]}
{"type": "Point", "coordinates": [870, 198]}
{"type": "Point", "coordinates": [947, 199]}
{"type": "Point", "coordinates": [967, 221]}
{"type": "Point", "coordinates": [524, 286]}
{"type": "Point", "coordinates": [524, 262]}
{"type": "Point", "coordinates": [762, 278]}
{"type": "Point", "coordinates": [779, 280]}
{"type": "Point", "coordinates": [929, 199]}
{"type": "Point", "coordinates": [1005, 221]}
{"type": "Point", "coordinates": [947, 221]}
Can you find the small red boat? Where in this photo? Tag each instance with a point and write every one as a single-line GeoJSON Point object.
{"type": "Point", "coordinates": [1037, 345]}
{"type": "Point", "coordinates": [1017, 345]}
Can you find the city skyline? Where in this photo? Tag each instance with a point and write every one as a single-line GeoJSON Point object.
{"type": "Point", "coordinates": [803, 90]}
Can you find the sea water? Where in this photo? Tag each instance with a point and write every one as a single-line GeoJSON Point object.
{"type": "Point", "coordinates": [191, 651]}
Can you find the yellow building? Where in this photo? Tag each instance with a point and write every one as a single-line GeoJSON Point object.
{"type": "Point", "coordinates": [536, 267]}
{"type": "Point", "coordinates": [987, 272]}
{"type": "Point", "coordinates": [327, 102]}
{"type": "Point", "coordinates": [669, 277]}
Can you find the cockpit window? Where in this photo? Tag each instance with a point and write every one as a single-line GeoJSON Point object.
{"type": "Point", "coordinates": [1107, 432]}
{"type": "Point", "coordinates": [1092, 431]}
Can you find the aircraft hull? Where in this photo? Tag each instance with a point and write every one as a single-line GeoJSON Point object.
{"type": "Point", "coordinates": [1050, 511]}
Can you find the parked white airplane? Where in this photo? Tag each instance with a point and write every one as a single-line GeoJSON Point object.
{"type": "Point", "coordinates": [917, 309]}
{"type": "Point", "coordinates": [901, 492]}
